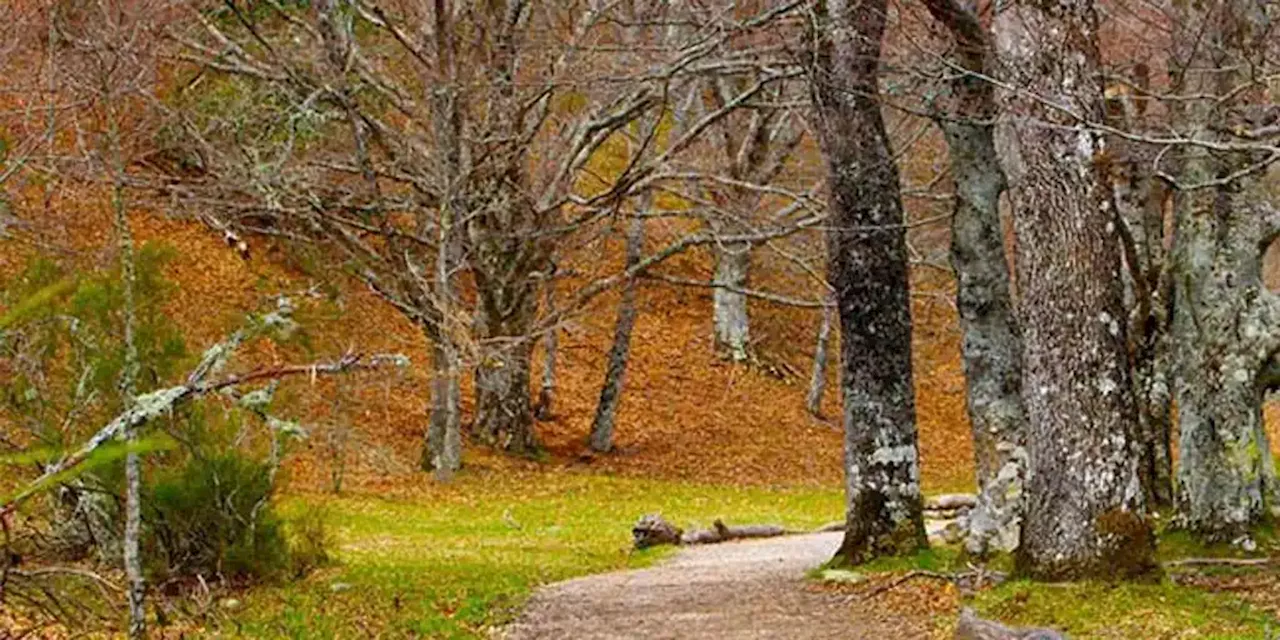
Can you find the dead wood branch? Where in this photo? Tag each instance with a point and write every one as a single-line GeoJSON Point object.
{"type": "Point", "coordinates": [653, 530]}
{"type": "Point", "coordinates": [1223, 562]}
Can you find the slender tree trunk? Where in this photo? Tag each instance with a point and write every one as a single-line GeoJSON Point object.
{"type": "Point", "coordinates": [729, 304]}
{"type": "Point", "coordinates": [867, 265]}
{"type": "Point", "coordinates": [544, 408]}
{"type": "Point", "coordinates": [818, 379]}
{"type": "Point", "coordinates": [443, 453]}
{"type": "Point", "coordinates": [619, 354]}
{"type": "Point", "coordinates": [1225, 319]}
{"type": "Point", "coordinates": [992, 347]}
{"type": "Point", "coordinates": [137, 588]}
{"type": "Point", "coordinates": [1084, 508]}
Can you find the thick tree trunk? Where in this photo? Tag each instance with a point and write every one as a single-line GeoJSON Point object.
{"type": "Point", "coordinates": [601, 438]}
{"type": "Point", "coordinates": [1225, 319]}
{"type": "Point", "coordinates": [1084, 510]}
{"type": "Point", "coordinates": [729, 304]}
{"type": "Point", "coordinates": [821, 351]}
{"type": "Point", "coordinates": [508, 243]}
{"type": "Point", "coordinates": [1225, 331]}
{"type": "Point", "coordinates": [992, 346]}
{"type": "Point", "coordinates": [867, 265]}
{"type": "Point", "coordinates": [504, 414]}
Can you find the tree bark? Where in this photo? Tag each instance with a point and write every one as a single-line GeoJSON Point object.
{"type": "Point", "coordinates": [602, 426]}
{"type": "Point", "coordinates": [821, 351]}
{"type": "Point", "coordinates": [867, 266]}
{"type": "Point", "coordinates": [1084, 511]}
{"type": "Point", "coordinates": [729, 304]}
{"type": "Point", "coordinates": [992, 345]}
{"type": "Point", "coordinates": [1225, 319]}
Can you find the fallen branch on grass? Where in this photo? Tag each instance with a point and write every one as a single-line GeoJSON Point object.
{"type": "Point", "coordinates": [652, 530]}
{"type": "Point", "coordinates": [1222, 562]}
{"type": "Point", "coordinates": [967, 581]}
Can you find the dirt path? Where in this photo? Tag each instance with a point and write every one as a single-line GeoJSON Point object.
{"type": "Point", "coordinates": [751, 589]}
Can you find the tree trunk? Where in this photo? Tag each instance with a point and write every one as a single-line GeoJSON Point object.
{"type": "Point", "coordinates": [818, 380]}
{"type": "Point", "coordinates": [729, 304]}
{"type": "Point", "coordinates": [131, 547]}
{"type": "Point", "coordinates": [611, 392]}
{"type": "Point", "coordinates": [504, 415]}
{"type": "Point", "coordinates": [867, 265]}
{"type": "Point", "coordinates": [544, 408]}
{"type": "Point", "coordinates": [1084, 508]}
{"type": "Point", "coordinates": [443, 454]}
{"type": "Point", "coordinates": [1225, 330]}
{"type": "Point", "coordinates": [1225, 319]}
{"type": "Point", "coordinates": [992, 346]}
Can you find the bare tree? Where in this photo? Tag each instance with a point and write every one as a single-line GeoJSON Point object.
{"type": "Point", "coordinates": [522, 97]}
{"type": "Point", "coordinates": [1085, 510]}
{"type": "Point", "coordinates": [867, 265]}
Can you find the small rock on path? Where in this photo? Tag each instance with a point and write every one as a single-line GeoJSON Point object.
{"type": "Point", "coordinates": [747, 589]}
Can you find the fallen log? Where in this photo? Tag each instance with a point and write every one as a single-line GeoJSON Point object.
{"type": "Point", "coordinates": [971, 627]}
{"type": "Point", "coordinates": [653, 530]}
{"type": "Point", "coordinates": [951, 502]}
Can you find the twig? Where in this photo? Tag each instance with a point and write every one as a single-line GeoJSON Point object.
{"type": "Point", "coordinates": [910, 575]}
{"type": "Point", "coordinates": [1224, 562]}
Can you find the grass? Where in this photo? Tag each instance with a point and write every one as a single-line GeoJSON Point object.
{"type": "Point", "coordinates": [452, 561]}
{"type": "Point", "coordinates": [1126, 610]}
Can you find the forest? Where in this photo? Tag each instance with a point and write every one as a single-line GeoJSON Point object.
{"type": "Point", "coordinates": [614, 319]}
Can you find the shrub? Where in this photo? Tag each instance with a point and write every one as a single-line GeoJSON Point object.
{"type": "Point", "coordinates": [309, 542]}
{"type": "Point", "coordinates": [213, 517]}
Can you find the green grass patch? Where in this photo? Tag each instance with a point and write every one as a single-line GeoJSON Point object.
{"type": "Point", "coordinates": [1126, 610]}
{"type": "Point", "coordinates": [1175, 545]}
{"type": "Point", "coordinates": [452, 561]}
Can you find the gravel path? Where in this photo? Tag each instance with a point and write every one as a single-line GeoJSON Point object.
{"type": "Point", "coordinates": [748, 589]}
